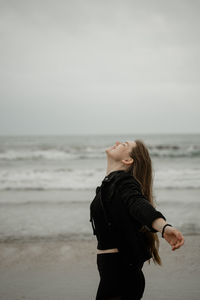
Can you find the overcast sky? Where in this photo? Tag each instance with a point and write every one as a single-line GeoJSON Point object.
{"type": "Point", "coordinates": [79, 67]}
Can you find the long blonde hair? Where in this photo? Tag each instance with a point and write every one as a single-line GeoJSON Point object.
{"type": "Point", "coordinates": [141, 169]}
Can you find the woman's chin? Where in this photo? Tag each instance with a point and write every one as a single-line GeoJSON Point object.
{"type": "Point", "coordinates": [109, 150]}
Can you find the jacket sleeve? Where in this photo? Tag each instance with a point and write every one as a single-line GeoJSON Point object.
{"type": "Point", "coordinates": [138, 206]}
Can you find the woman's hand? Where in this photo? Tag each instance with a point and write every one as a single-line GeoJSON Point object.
{"type": "Point", "coordinates": [173, 237]}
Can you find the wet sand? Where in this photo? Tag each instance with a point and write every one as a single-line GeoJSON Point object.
{"type": "Point", "coordinates": [58, 270]}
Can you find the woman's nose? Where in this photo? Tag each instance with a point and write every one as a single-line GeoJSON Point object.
{"type": "Point", "coordinates": [117, 143]}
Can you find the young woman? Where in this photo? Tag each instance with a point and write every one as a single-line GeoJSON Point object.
{"type": "Point", "coordinates": [125, 222]}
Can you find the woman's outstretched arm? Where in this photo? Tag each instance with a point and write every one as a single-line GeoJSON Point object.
{"type": "Point", "coordinates": [143, 211]}
{"type": "Point", "coordinates": [138, 206]}
{"type": "Point", "coordinates": [173, 236]}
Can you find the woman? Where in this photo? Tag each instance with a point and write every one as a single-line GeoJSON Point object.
{"type": "Point", "coordinates": [125, 222]}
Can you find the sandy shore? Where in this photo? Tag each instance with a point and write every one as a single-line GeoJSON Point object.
{"type": "Point", "coordinates": [56, 270]}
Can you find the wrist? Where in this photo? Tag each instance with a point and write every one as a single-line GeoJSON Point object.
{"type": "Point", "coordinates": [158, 224]}
{"type": "Point", "coordinates": [163, 230]}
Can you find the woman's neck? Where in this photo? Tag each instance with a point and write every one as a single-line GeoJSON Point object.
{"type": "Point", "coordinates": [111, 167]}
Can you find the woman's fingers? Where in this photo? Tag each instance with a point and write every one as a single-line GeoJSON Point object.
{"type": "Point", "coordinates": [178, 244]}
{"type": "Point", "coordinates": [177, 240]}
{"type": "Point", "coordinates": [174, 238]}
{"type": "Point", "coordinates": [180, 236]}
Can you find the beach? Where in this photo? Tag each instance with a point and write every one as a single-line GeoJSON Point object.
{"type": "Point", "coordinates": [47, 246]}
{"type": "Point", "coordinates": [36, 270]}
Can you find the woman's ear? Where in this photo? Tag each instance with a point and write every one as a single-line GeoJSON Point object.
{"type": "Point", "coordinates": [128, 161]}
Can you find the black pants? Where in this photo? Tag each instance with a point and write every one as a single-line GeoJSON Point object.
{"type": "Point", "coordinates": [118, 280]}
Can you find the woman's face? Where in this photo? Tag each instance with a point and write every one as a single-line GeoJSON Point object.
{"type": "Point", "coordinates": [120, 150]}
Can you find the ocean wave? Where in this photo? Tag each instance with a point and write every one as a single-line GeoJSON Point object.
{"type": "Point", "coordinates": [174, 151]}
{"type": "Point", "coordinates": [72, 153]}
{"type": "Point", "coordinates": [45, 238]}
{"type": "Point", "coordinates": [185, 229]}
{"type": "Point", "coordinates": [35, 155]}
{"type": "Point", "coordinates": [69, 179]}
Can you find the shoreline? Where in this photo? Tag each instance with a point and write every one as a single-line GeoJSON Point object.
{"type": "Point", "coordinates": [36, 270]}
{"type": "Point", "coordinates": [65, 238]}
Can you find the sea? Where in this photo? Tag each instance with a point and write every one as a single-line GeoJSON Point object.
{"type": "Point", "coordinates": [48, 182]}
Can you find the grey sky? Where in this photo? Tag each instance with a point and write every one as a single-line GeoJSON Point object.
{"type": "Point", "coordinates": [73, 67]}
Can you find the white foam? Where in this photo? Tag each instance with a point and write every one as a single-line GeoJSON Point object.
{"type": "Point", "coordinates": [50, 179]}
{"type": "Point", "coordinates": [84, 179]}
{"type": "Point", "coordinates": [91, 152]}
{"type": "Point", "coordinates": [36, 154]}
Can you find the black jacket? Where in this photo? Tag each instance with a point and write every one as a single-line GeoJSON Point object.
{"type": "Point", "coordinates": [126, 210]}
